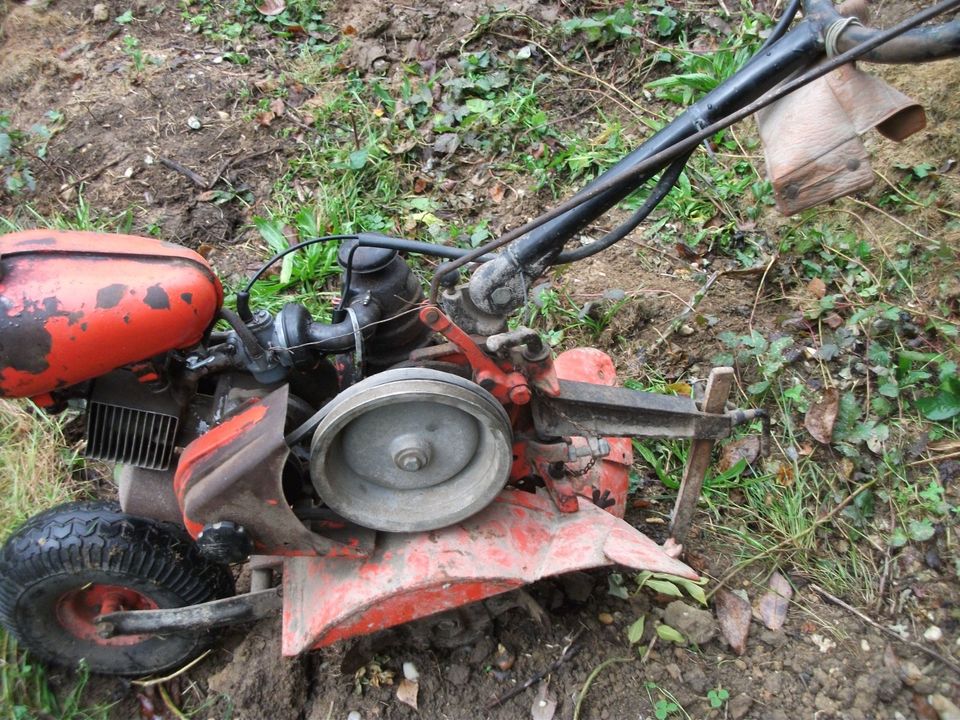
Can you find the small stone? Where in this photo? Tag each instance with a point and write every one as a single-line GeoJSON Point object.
{"type": "Point", "coordinates": [481, 651]}
{"type": "Point", "coordinates": [193, 122]}
{"type": "Point", "coordinates": [605, 618]}
{"type": "Point", "coordinates": [933, 634]}
{"type": "Point", "coordinates": [864, 645]}
{"type": "Point", "coordinates": [410, 672]}
{"type": "Point", "coordinates": [504, 659]}
{"type": "Point", "coordinates": [101, 13]}
{"type": "Point", "coordinates": [910, 673]}
{"type": "Point", "coordinates": [886, 683]}
{"type": "Point", "coordinates": [128, 173]}
{"type": "Point", "coordinates": [686, 330]}
{"type": "Point", "coordinates": [944, 707]}
{"type": "Point", "coordinates": [740, 706]}
{"type": "Point", "coordinates": [673, 670]}
{"type": "Point", "coordinates": [354, 715]}
{"type": "Point", "coordinates": [697, 626]}
{"type": "Point", "coordinates": [697, 680]}
{"type": "Point", "coordinates": [773, 638]}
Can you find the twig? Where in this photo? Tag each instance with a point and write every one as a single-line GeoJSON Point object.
{"type": "Point", "coordinates": [568, 652]}
{"type": "Point", "coordinates": [186, 172]}
{"type": "Point", "coordinates": [178, 673]}
{"type": "Point", "coordinates": [936, 459]}
{"type": "Point", "coordinates": [96, 173]}
{"type": "Point", "coordinates": [590, 678]}
{"type": "Point", "coordinates": [887, 631]}
{"type": "Point", "coordinates": [653, 642]}
{"type": "Point", "coordinates": [171, 706]}
{"type": "Point", "coordinates": [691, 306]}
{"type": "Point", "coordinates": [756, 298]}
{"type": "Point", "coordinates": [826, 517]}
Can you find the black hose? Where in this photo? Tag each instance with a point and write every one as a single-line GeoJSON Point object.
{"type": "Point", "coordinates": [660, 191]}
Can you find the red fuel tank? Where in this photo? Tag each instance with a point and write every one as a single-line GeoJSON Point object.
{"type": "Point", "coordinates": [74, 305]}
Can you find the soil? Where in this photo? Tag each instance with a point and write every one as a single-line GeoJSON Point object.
{"type": "Point", "coordinates": [120, 127]}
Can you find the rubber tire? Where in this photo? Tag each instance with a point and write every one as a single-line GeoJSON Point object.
{"type": "Point", "coordinates": [66, 548]}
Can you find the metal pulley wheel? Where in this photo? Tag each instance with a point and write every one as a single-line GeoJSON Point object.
{"type": "Point", "coordinates": [411, 449]}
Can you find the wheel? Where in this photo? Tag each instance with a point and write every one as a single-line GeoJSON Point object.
{"type": "Point", "coordinates": [68, 565]}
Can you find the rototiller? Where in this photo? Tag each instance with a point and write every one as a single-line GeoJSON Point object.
{"type": "Point", "coordinates": [413, 457]}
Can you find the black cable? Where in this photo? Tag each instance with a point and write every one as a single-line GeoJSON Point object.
{"type": "Point", "coordinates": [660, 191]}
{"type": "Point", "coordinates": [243, 297]}
{"type": "Point", "coordinates": [783, 24]}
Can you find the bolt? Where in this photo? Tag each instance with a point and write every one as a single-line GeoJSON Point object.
{"type": "Point", "coordinates": [520, 395]}
{"type": "Point", "coordinates": [430, 316]}
{"type": "Point", "coordinates": [412, 455]}
{"type": "Point", "coordinates": [501, 296]}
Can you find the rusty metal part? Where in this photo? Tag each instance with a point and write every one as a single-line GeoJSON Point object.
{"type": "Point", "coordinates": [234, 472]}
{"type": "Point", "coordinates": [586, 409]}
{"type": "Point", "coordinates": [148, 493]}
{"type": "Point", "coordinates": [517, 539]}
{"type": "Point", "coordinates": [204, 616]}
{"type": "Point", "coordinates": [75, 305]}
{"type": "Point", "coordinates": [505, 385]}
{"type": "Point", "coordinates": [411, 449]}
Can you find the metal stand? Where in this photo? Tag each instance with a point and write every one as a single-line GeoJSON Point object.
{"type": "Point", "coordinates": [719, 385]}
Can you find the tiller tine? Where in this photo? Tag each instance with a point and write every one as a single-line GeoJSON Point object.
{"type": "Point", "coordinates": [519, 538]}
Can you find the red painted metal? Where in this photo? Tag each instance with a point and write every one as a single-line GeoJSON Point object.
{"type": "Point", "coordinates": [77, 610]}
{"type": "Point", "coordinates": [609, 475]}
{"type": "Point", "coordinates": [505, 386]}
{"type": "Point", "coordinates": [519, 538]}
{"type": "Point", "coordinates": [75, 305]}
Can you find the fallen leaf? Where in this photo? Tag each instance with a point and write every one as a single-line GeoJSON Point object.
{"type": "Point", "coordinates": [944, 446]}
{"type": "Point", "coordinates": [773, 605]}
{"type": "Point", "coordinates": [265, 118]}
{"type": "Point", "coordinates": [822, 415]}
{"type": "Point", "coordinates": [805, 450]}
{"type": "Point", "coordinates": [407, 692]}
{"type": "Point", "coordinates": [833, 321]}
{"type": "Point", "coordinates": [420, 184]}
{"type": "Point", "coordinates": [817, 288]}
{"type": "Point", "coordinates": [277, 106]}
{"type": "Point", "coordinates": [747, 448]}
{"type": "Point", "coordinates": [497, 192]}
{"type": "Point", "coordinates": [679, 388]}
{"type": "Point", "coordinates": [733, 614]}
{"type": "Point", "coordinates": [635, 631]}
{"type": "Point", "coordinates": [785, 475]}
{"type": "Point", "coordinates": [272, 7]}
{"type": "Point", "coordinates": [924, 710]}
{"type": "Point", "coordinates": [544, 704]}
{"type": "Point", "coordinates": [349, 30]}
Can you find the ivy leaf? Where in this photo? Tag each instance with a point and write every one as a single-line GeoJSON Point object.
{"type": "Point", "coordinates": [942, 406]}
{"type": "Point", "coordinates": [920, 530]}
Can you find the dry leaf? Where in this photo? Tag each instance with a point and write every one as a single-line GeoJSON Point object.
{"type": "Point", "coordinates": [679, 388]}
{"type": "Point", "coordinates": [817, 288]}
{"type": "Point", "coordinates": [833, 321]}
{"type": "Point", "coordinates": [924, 710]}
{"type": "Point", "coordinates": [747, 448]}
{"type": "Point", "coordinates": [497, 192]}
{"type": "Point", "coordinates": [773, 605]}
{"type": "Point", "coordinates": [822, 415]}
{"type": "Point", "coordinates": [265, 118]}
{"type": "Point", "coordinates": [407, 692]}
{"type": "Point", "coordinates": [734, 614]}
{"type": "Point", "coordinates": [272, 7]}
{"type": "Point", "coordinates": [944, 446]}
{"type": "Point", "coordinates": [349, 30]}
{"type": "Point", "coordinates": [544, 704]}
{"type": "Point", "coordinates": [785, 475]}
{"type": "Point", "coordinates": [277, 107]}
{"type": "Point", "coordinates": [420, 184]}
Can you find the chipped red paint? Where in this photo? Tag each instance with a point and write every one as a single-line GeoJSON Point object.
{"type": "Point", "coordinates": [74, 305]}
{"type": "Point", "coordinates": [518, 539]}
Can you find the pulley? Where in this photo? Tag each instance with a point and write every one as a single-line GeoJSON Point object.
{"type": "Point", "coordinates": [411, 449]}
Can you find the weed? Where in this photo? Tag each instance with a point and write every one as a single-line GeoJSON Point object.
{"type": "Point", "coordinates": [717, 697]}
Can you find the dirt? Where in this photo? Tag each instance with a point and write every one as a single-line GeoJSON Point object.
{"type": "Point", "coordinates": [119, 127]}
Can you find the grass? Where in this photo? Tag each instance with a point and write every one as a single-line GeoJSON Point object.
{"type": "Point", "coordinates": [36, 466]}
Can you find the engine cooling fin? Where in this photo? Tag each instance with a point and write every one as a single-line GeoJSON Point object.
{"type": "Point", "coordinates": [130, 436]}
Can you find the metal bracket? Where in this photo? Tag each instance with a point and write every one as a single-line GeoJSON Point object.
{"type": "Point", "coordinates": [203, 616]}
